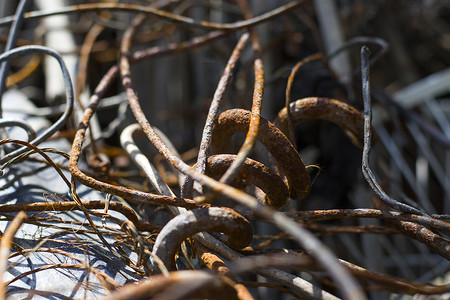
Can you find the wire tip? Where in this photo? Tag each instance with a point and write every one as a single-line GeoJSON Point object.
{"type": "Point", "coordinates": [365, 51]}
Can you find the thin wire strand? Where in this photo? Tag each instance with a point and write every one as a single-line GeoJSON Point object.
{"type": "Point", "coordinates": [350, 288]}
{"type": "Point", "coordinates": [69, 94]}
{"type": "Point", "coordinates": [18, 123]}
{"type": "Point", "coordinates": [12, 38]}
{"type": "Point", "coordinates": [368, 175]}
{"type": "Point", "coordinates": [162, 14]}
{"type": "Point", "coordinates": [5, 247]}
{"type": "Point", "coordinates": [205, 142]}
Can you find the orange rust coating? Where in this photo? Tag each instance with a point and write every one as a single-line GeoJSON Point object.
{"type": "Point", "coordinates": [255, 173]}
{"type": "Point", "coordinates": [316, 108]}
{"type": "Point", "coordinates": [150, 10]}
{"type": "Point", "coordinates": [394, 283]}
{"type": "Point", "coordinates": [210, 287]}
{"type": "Point", "coordinates": [68, 206]}
{"type": "Point", "coordinates": [424, 235]}
{"type": "Point", "coordinates": [433, 241]}
{"type": "Point", "coordinates": [126, 193]}
{"type": "Point", "coordinates": [287, 158]}
{"type": "Point", "coordinates": [289, 128]}
{"type": "Point", "coordinates": [213, 219]}
{"type": "Point", "coordinates": [213, 262]}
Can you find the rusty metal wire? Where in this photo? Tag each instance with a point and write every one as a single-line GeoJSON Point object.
{"type": "Point", "coordinates": [212, 219]}
{"type": "Point", "coordinates": [287, 158]}
{"type": "Point", "coordinates": [178, 285]}
{"type": "Point", "coordinates": [213, 112]}
{"type": "Point", "coordinates": [69, 94]}
{"type": "Point", "coordinates": [253, 172]}
{"type": "Point", "coordinates": [338, 112]}
{"type": "Point", "coordinates": [131, 206]}
{"type": "Point", "coordinates": [368, 174]}
{"type": "Point", "coordinates": [162, 14]}
{"type": "Point", "coordinates": [10, 44]}
{"type": "Point", "coordinates": [5, 246]}
{"type": "Point", "coordinates": [350, 288]}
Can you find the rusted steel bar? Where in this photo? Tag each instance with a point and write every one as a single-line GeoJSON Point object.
{"type": "Point", "coordinates": [85, 52]}
{"type": "Point", "coordinates": [213, 219]}
{"type": "Point", "coordinates": [295, 283]}
{"type": "Point", "coordinates": [129, 194]}
{"type": "Point", "coordinates": [5, 247]}
{"type": "Point", "coordinates": [368, 213]}
{"type": "Point", "coordinates": [258, 90]}
{"type": "Point", "coordinates": [366, 170]}
{"type": "Point", "coordinates": [162, 14]}
{"type": "Point", "coordinates": [290, 126]}
{"type": "Point", "coordinates": [205, 142]}
{"type": "Point", "coordinates": [187, 284]}
{"type": "Point", "coordinates": [277, 194]}
{"type": "Point", "coordinates": [287, 158]}
{"type": "Point", "coordinates": [173, 159]}
{"type": "Point", "coordinates": [250, 138]}
{"type": "Point", "coordinates": [394, 283]}
{"type": "Point", "coordinates": [362, 229]}
{"type": "Point", "coordinates": [305, 262]}
{"type": "Point", "coordinates": [69, 206]}
{"type": "Point", "coordinates": [350, 288]}
{"type": "Point", "coordinates": [435, 242]}
{"type": "Point", "coordinates": [317, 108]}
{"type": "Point", "coordinates": [213, 262]}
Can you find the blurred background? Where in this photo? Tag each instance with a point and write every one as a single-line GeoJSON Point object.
{"type": "Point", "coordinates": [410, 93]}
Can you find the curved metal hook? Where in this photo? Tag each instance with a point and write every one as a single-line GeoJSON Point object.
{"type": "Point", "coordinates": [12, 37]}
{"type": "Point", "coordinates": [69, 94]}
{"type": "Point", "coordinates": [338, 112]}
{"type": "Point", "coordinates": [18, 123]}
{"type": "Point", "coordinates": [211, 219]}
{"type": "Point", "coordinates": [273, 139]}
{"type": "Point", "coordinates": [255, 173]}
{"type": "Point", "coordinates": [178, 285]}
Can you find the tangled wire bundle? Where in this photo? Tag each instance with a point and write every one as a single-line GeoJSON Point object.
{"type": "Point", "coordinates": [135, 219]}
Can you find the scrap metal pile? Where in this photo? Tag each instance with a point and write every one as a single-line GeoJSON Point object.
{"type": "Point", "coordinates": [222, 150]}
